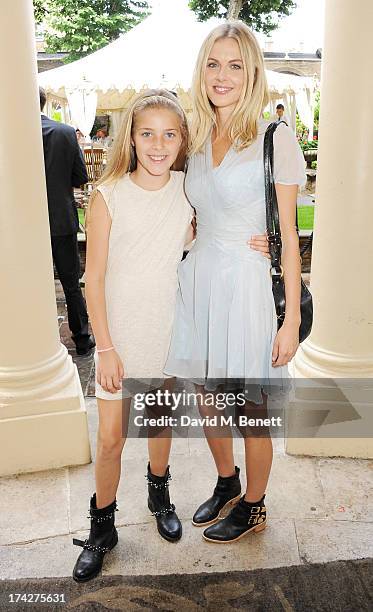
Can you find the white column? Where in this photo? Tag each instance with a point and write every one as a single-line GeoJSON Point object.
{"type": "Point", "coordinates": [43, 423]}
{"type": "Point", "coordinates": [341, 343]}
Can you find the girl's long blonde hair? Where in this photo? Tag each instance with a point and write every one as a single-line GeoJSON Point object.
{"type": "Point", "coordinates": [254, 96]}
{"type": "Point", "coordinates": [122, 157]}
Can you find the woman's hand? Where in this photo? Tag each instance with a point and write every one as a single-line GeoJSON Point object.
{"type": "Point", "coordinates": [260, 243]}
{"type": "Point", "coordinates": [285, 344]}
{"type": "Point", "coordinates": [110, 371]}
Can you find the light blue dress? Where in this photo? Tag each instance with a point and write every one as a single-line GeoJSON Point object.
{"type": "Point", "coordinates": [225, 321]}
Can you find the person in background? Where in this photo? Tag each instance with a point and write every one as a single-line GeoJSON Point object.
{"type": "Point", "coordinates": [280, 114]}
{"type": "Point", "coordinates": [64, 170]}
{"type": "Point", "coordinates": [80, 136]}
{"type": "Point", "coordinates": [101, 134]}
{"type": "Point", "coordinates": [102, 138]}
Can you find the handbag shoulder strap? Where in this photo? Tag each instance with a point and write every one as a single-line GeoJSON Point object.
{"type": "Point", "coordinates": [272, 214]}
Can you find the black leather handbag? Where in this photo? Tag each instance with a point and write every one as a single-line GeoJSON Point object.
{"type": "Point", "coordinates": [275, 244]}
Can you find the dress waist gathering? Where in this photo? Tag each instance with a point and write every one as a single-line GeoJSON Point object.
{"type": "Point", "coordinates": [230, 242]}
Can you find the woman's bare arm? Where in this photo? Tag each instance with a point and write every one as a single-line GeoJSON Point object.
{"type": "Point", "coordinates": [287, 339]}
{"type": "Point", "coordinates": [290, 258]}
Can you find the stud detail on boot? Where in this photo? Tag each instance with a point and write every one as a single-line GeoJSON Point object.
{"type": "Point", "coordinates": [101, 519]}
{"type": "Point", "coordinates": [226, 494]}
{"type": "Point", "coordinates": [88, 546]}
{"type": "Point", "coordinates": [244, 518]}
{"type": "Point", "coordinates": [171, 508]}
{"type": "Point", "coordinates": [168, 524]}
{"type": "Point", "coordinates": [102, 538]}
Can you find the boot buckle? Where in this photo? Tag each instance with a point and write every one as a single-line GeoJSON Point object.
{"type": "Point", "coordinates": [78, 542]}
{"type": "Point", "coordinates": [87, 546]}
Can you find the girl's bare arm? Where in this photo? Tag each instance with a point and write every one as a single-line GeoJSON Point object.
{"type": "Point", "coordinates": [98, 231]}
{"type": "Point", "coordinates": [109, 371]}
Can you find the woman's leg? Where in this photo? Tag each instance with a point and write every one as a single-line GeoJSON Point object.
{"type": "Point", "coordinates": [227, 491]}
{"type": "Point", "coordinates": [250, 513]}
{"type": "Point", "coordinates": [111, 436]}
{"type": "Point", "coordinates": [218, 438]}
{"type": "Point", "coordinates": [258, 452]}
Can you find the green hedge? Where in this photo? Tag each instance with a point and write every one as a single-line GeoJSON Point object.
{"type": "Point", "coordinates": [305, 217]}
{"type": "Point", "coordinates": [81, 215]}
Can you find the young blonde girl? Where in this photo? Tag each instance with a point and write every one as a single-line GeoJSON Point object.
{"type": "Point", "coordinates": [137, 225]}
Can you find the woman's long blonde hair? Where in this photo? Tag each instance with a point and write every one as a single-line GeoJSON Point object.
{"type": "Point", "coordinates": [254, 96]}
{"type": "Point", "coordinates": [122, 157]}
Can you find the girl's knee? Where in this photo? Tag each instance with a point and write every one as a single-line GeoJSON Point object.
{"type": "Point", "coordinates": [110, 445]}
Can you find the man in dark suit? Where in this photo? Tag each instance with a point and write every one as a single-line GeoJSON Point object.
{"type": "Point", "coordinates": [65, 169]}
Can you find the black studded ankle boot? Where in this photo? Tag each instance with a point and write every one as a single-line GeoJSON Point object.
{"type": "Point", "coordinates": [226, 494]}
{"type": "Point", "coordinates": [168, 524]}
{"type": "Point", "coordinates": [245, 517]}
{"type": "Point", "coordinates": [102, 537]}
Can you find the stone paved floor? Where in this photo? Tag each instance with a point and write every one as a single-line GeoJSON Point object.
{"type": "Point", "coordinates": [320, 509]}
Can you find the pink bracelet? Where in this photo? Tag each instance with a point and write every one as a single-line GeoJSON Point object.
{"type": "Point", "coordinates": [104, 350]}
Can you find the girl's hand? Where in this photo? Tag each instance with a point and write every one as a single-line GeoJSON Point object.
{"type": "Point", "coordinates": [110, 371]}
{"type": "Point", "coordinates": [260, 243]}
{"type": "Point", "coordinates": [285, 344]}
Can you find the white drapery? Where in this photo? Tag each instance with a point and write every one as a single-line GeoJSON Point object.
{"type": "Point", "coordinates": [305, 107]}
{"type": "Point", "coordinates": [82, 104]}
{"type": "Point", "coordinates": [290, 108]}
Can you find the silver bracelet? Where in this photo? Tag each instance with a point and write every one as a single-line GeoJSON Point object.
{"type": "Point", "coordinates": [104, 350]}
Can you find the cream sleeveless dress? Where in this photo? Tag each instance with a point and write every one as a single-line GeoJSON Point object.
{"type": "Point", "coordinates": [146, 243]}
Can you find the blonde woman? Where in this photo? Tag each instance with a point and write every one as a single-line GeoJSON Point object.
{"type": "Point", "coordinates": [225, 322]}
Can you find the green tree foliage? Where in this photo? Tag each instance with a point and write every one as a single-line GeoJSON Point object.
{"type": "Point", "coordinates": [39, 10]}
{"type": "Point", "coordinates": [260, 15]}
{"type": "Point", "coordinates": [80, 27]}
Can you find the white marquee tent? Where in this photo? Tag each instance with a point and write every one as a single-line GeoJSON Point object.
{"type": "Point", "coordinates": [160, 52]}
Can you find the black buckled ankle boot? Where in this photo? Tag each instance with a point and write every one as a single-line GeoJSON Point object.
{"type": "Point", "coordinates": [102, 537]}
{"type": "Point", "coordinates": [226, 494]}
{"type": "Point", "coordinates": [245, 517]}
{"type": "Point", "coordinates": [168, 524]}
